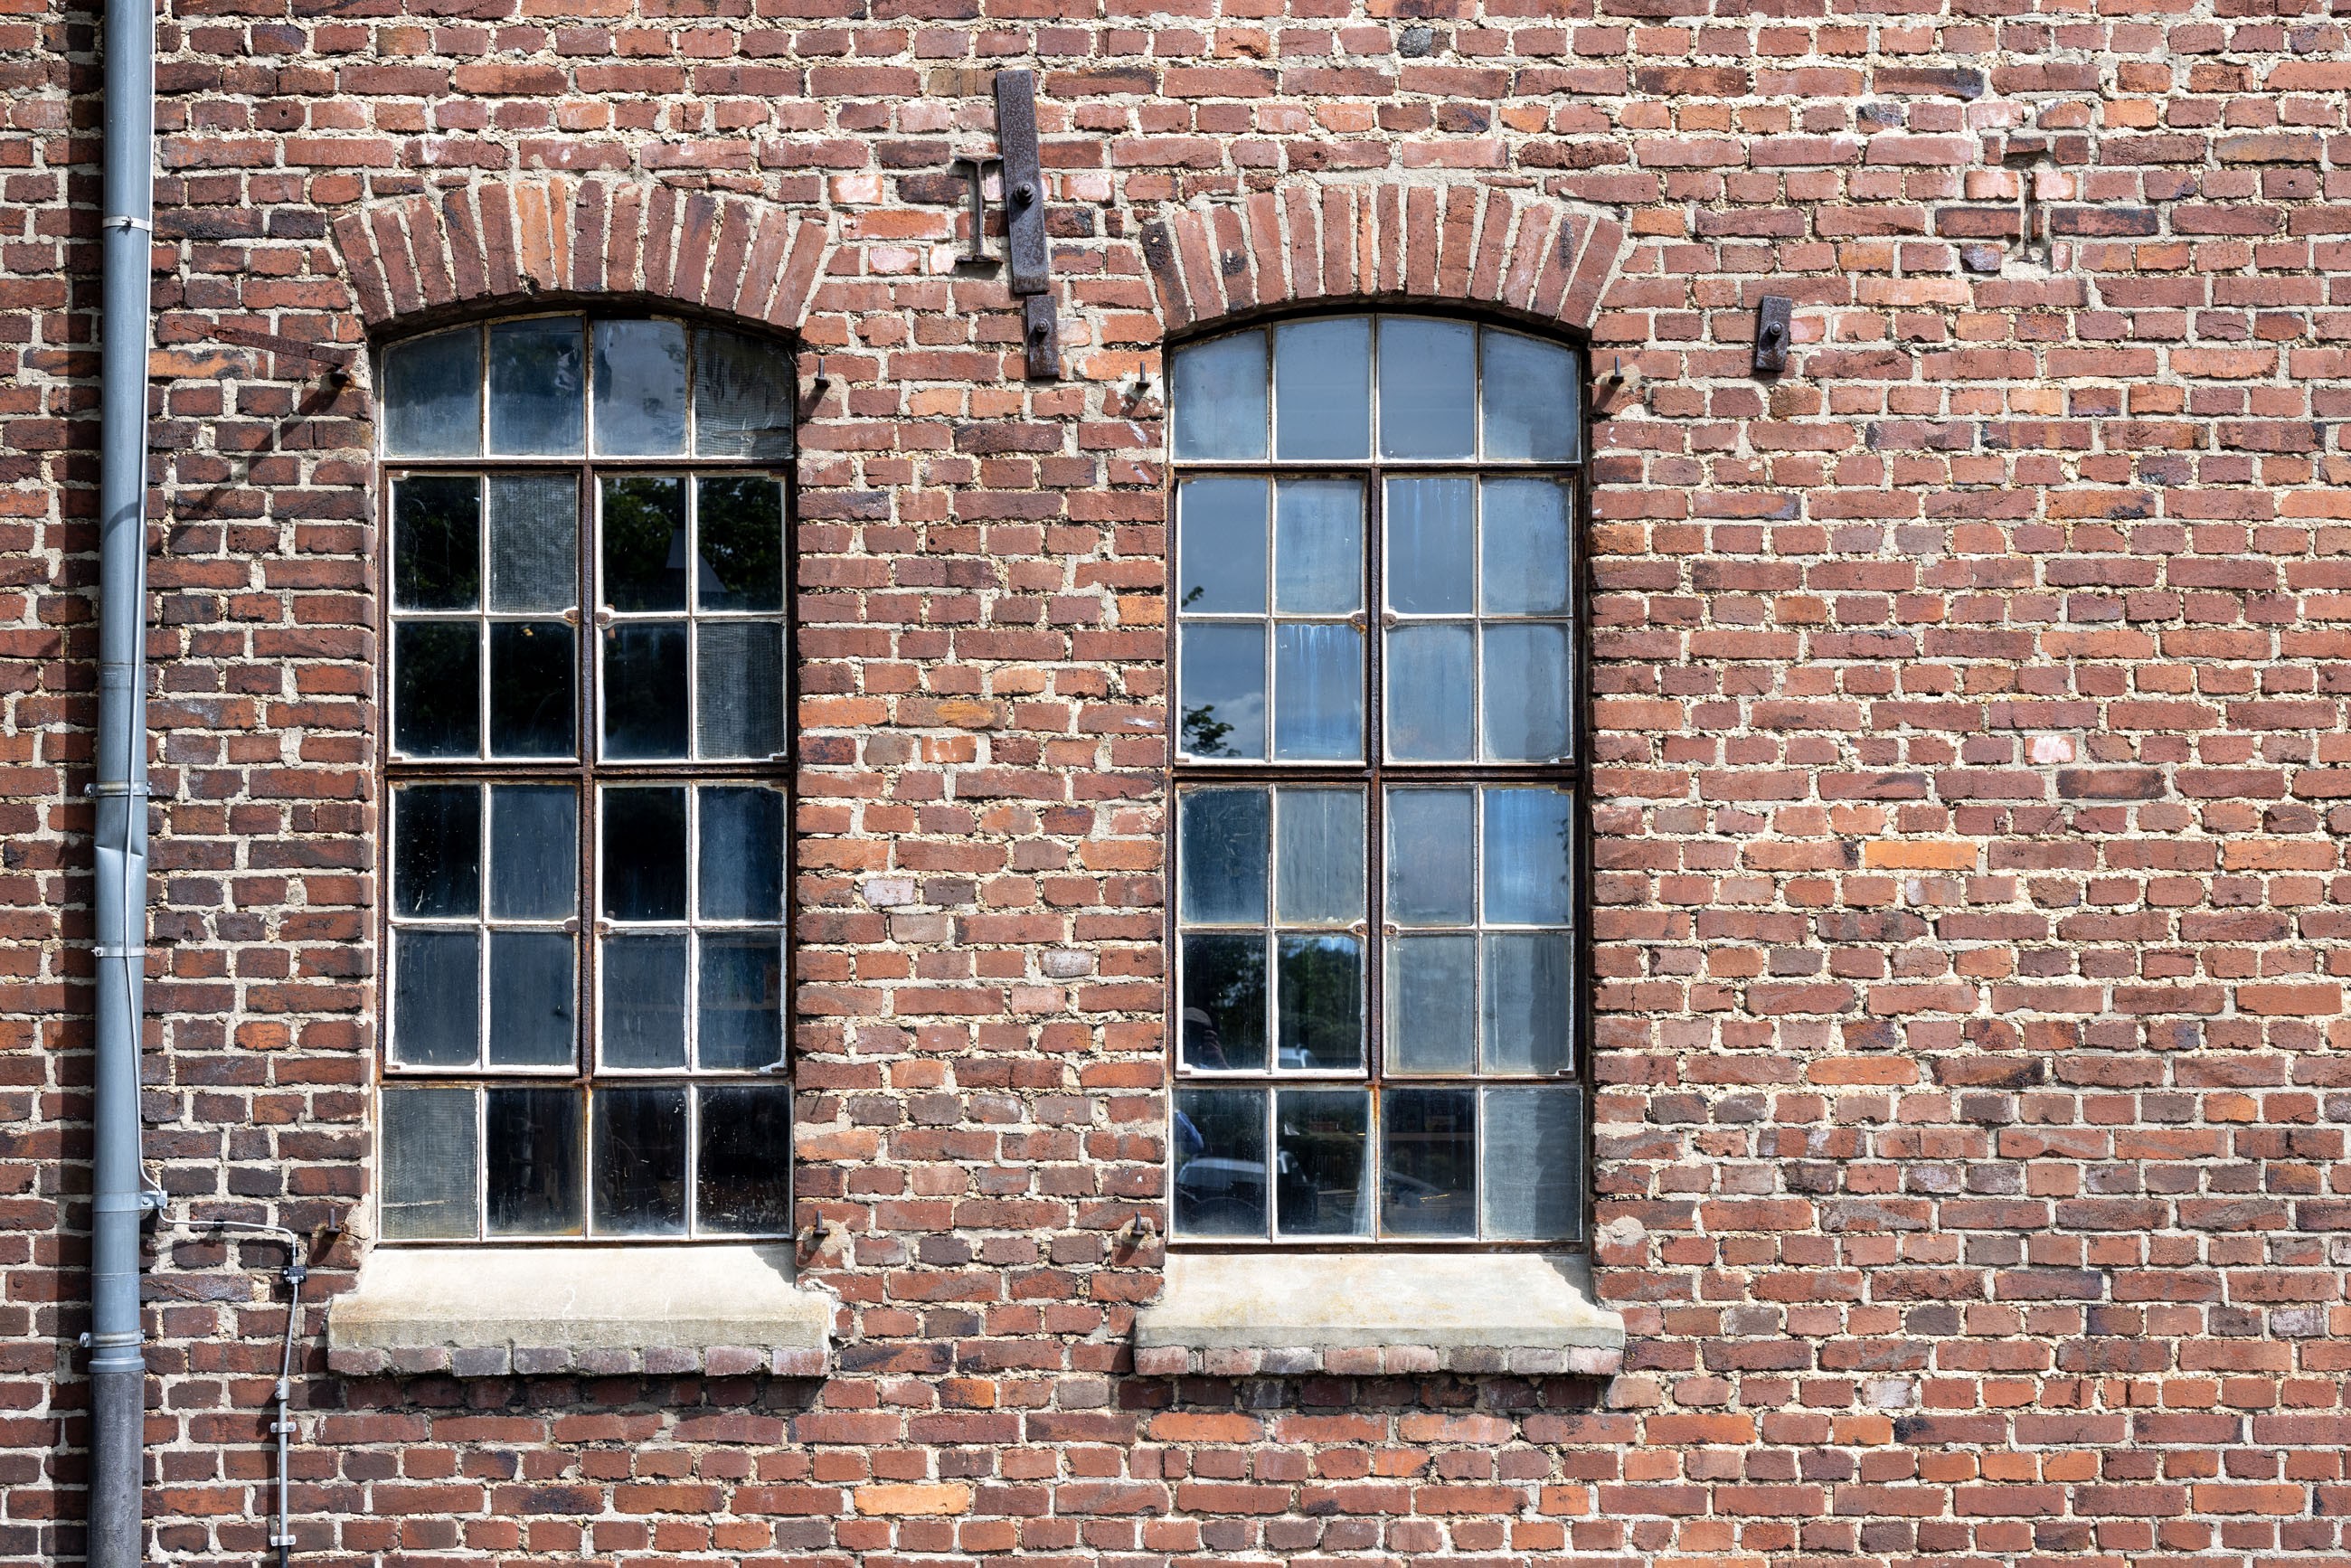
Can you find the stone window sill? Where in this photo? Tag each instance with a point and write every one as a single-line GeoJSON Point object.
{"type": "Point", "coordinates": [497, 1311]}
{"type": "Point", "coordinates": [1262, 1314]}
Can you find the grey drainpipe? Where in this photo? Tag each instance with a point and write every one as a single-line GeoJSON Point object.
{"type": "Point", "coordinates": [118, 1365]}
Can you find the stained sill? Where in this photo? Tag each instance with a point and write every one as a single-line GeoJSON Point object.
{"type": "Point", "coordinates": [499, 1311]}
{"type": "Point", "coordinates": [1266, 1314]}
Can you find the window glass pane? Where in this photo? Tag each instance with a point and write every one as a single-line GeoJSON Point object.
{"type": "Point", "coordinates": [644, 690]}
{"type": "Point", "coordinates": [643, 529]}
{"type": "Point", "coordinates": [436, 854]}
{"type": "Point", "coordinates": [1524, 696]}
{"type": "Point", "coordinates": [1219, 389]}
{"type": "Point", "coordinates": [1318, 682]}
{"type": "Point", "coordinates": [1222, 690]}
{"type": "Point", "coordinates": [436, 690]}
{"type": "Point", "coordinates": [1319, 861]}
{"type": "Point", "coordinates": [1528, 869]}
{"type": "Point", "coordinates": [532, 1142]}
{"type": "Point", "coordinates": [739, 1026]}
{"type": "Point", "coordinates": [1524, 539]}
{"type": "Point", "coordinates": [644, 1017]}
{"type": "Point", "coordinates": [436, 541]}
{"type": "Point", "coordinates": [436, 998]}
{"type": "Point", "coordinates": [533, 851]}
{"type": "Point", "coordinates": [1428, 405]}
{"type": "Point", "coordinates": [1528, 999]}
{"type": "Point", "coordinates": [746, 1161]}
{"type": "Point", "coordinates": [432, 1155]}
{"type": "Point", "coordinates": [1324, 1184]}
{"type": "Point", "coordinates": [531, 991]}
{"type": "Point", "coordinates": [740, 519]}
{"type": "Point", "coordinates": [1534, 1164]}
{"type": "Point", "coordinates": [1223, 846]}
{"type": "Point", "coordinates": [1322, 999]}
{"type": "Point", "coordinates": [640, 389]}
{"type": "Point", "coordinates": [1219, 1147]}
{"type": "Point", "coordinates": [1431, 673]}
{"type": "Point", "coordinates": [739, 694]}
{"type": "Point", "coordinates": [1319, 547]}
{"type": "Point", "coordinates": [1322, 388]}
{"type": "Point", "coordinates": [742, 853]}
{"type": "Point", "coordinates": [1432, 559]}
{"type": "Point", "coordinates": [1432, 859]}
{"type": "Point", "coordinates": [643, 854]}
{"type": "Point", "coordinates": [1528, 392]}
{"type": "Point", "coordinates": [534, 542]}
{"type": "Point", "coordinates": [640, 1162]}
{"type": "Point", "coordinates": [533, 708]}
{"type": "Point", "coordinates": [1428, 1170]}
{"type": "Point", "coordinates": [536, 388]}
{"type": "Point", "coordinates": [1224, 1001]}
{"type": "Point", "coordinates": [1220, 547]}
{"type": "Point", "coordinates": [1432, 1003]}
{"type": "Point", "coordinates": [433, 395]}
{"type": "Point", "coordinates": [743, 390]}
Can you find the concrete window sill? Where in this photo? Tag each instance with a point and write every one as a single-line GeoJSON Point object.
{"type": "Point", "coordinates": [1263, 1314]}
{"type": "Point", "coordinates": [497, 1311]}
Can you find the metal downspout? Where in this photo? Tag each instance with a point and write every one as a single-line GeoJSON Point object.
{"type": "Point", "coordinates": [118, 1367]}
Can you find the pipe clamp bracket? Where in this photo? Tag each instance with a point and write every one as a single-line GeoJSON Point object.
{"type": "Point", "coordinates": [105, 951]}
{"type": "Point", "coordinates": [125, 221]}
{"type": "Point", "coordinates": [116, 788]}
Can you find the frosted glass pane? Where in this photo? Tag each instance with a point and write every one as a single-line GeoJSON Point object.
{"type": "Point", "coordinates": [1319, 857]}
{"type": "Point", "coordinates": [1318, 685]}
{"type": "Point", "coordinates": [1432, 556]}
{"type": "Point", "coordinates": [534, 542]}
{"type": "Point", "coordinates": [1524, 540]}
{"type": "Point", "coordinates": [739, 689]}
{"type": "Point", "coordinates": [1322, 388]}
{"type": "Point", "coordinates": [1525, 694]}
{"type": "Point", "coordinates": [1528, 873]}
{"type": "Point", "coordinates": [1528, 999]}
{"type": "Point", "coordinates": [1528, 391]}
{"type": "Point", "coordinates": [1432, 1004]}
{"type": "Point", "coordinates": [436, 998]}
{"type": "Point", "coordinates": [1431, 673]}
{"type": "Point", "coordinates": [1428, 405]}
{"type": "Point", "coordinates": [432, 1156]}
{"type": "Point", "coordinates": [743, 392]}
{"type": "Point", "coordinates": [1319, 547]}
{"type": "Point", "coordinates": [1432, 858]}
{"type": "Point", "coordinates": [1534, 1164]}
{"type": "Point", "coordinates": [1219, 389]}
{"type": "Point", "coordinates": [433, 395]}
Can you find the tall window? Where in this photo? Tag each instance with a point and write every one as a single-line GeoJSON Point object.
{"type": "Point", "coordinates": [1376, 828]}
{"type": "Point", "coordinates": [584, 1000]}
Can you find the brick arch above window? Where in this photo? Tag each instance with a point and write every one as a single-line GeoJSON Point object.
{"type": "Point", "coordinates": [511, 240]}
{"type": "Point", "coordinates": [1304, 241]}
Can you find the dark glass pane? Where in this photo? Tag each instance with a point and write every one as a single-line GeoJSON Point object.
{"type": "Point", "coordinates": [1534, 1164]}
{"type": "Point", "coordinates": [1218, 1153]}
{"type": "Point", "coordinates": [1432, 857]}
{"type": "Point", "coordinates": [436, 542]}
{"type": "Point", "coordinates": [640, 389]}
{"type": "Point", "coordinates": [1529, 390]}
{"type": "Point", "coordinates": [1428, 396]}
{"type": "Point", "coordinates": [533, 851]}
{"type": "Point", "coordinates": [532, 707]}
{"type": "Point", "coordinates": [643, 854]}
{"type": "Point", "coordinates": [640, 1162]}
{"type": "Point", "coordinates": [1529, 876]}
{"type": "Point", "coordinates": [433, 395]}
{"type": "Point", "coordinates": [739, 694]}
{"type": "Point", "coordinates": [644, 1001]}
{"type": "Point", "coordinates": [1432, 1004]}
{"type": "Point", "coordinates": [1318, 547]}
{"type": "Point", "coordinates": [531, 991]}
{"type": "Point", "coordinates": [1431, 676]}
{"type": "Point", "coordinates": [532, 1141]}
{"type": "Point", "coordinates": [745, 1160]}
{"type": "Point", "coordinates": [437, 856]}
{"type": "Point", "coordinates": [740, 1018]}
{"type": "Point", "coordinates": [1317, 684]}
{"type": "Point", "coordinates": [742, 854]}
{"type": "Point", "coordinates": [534, 542]}
{"type": "Point", "coordinates": [740, 523]}
{"type": "Point", "coordinates": [1220, 547]}
{"type": "Point", "coordinates": [1428, 1162]}
{"type": "Point", "coordinates": [1221, 690]}
{"type": "Point", "coordinates": [1224, 1002]}
{"type": "Point", "coordinates": [644, 690]}
{"type": "Point", "coordinates": [1224, 840]}
{"type": "Point", "coordinates": [1324, 1184]}
{"type": "Point", "coordinates": [436, 697]}
{"type": "Point", "coordinates": [1319, 857]}
{"type": "Point", "coordinates": [1322, 984]}
{"type": "Point", "coordinates": [1432, 563]}
{"type": "Point", "coordinates": [1525, 691]}
{"type": "Point", "coordinates": [1218, 392]}
{"type": "Point", "coordinates": [643, 530]}
{"type": "Point", "coordinates": [1322, 388]}
{"type": "Point", "coordinates": [1523, 542]}
{"type": "Point", "coordinates": [743, 390]}
{"type": "Point", "coordinates": [436, 998]}
{"type": "Point", "coordinates": [432, 1157]}
{"type": "Point", "coordinates": [536, 387]}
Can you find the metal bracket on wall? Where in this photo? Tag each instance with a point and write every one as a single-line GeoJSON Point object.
{"type": "Point", "coordinates": [1025, 245]}
{"type": "Point", "coordinates": [1773, 328]}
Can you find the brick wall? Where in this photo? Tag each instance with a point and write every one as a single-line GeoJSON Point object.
{"type": "Point", "coordinates": [1969, 722]}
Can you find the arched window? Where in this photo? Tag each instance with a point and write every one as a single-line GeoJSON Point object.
{"type": "Point", "coordinates": [585, 985]}
{"type": "Point", "coordinates": [1376, 828]}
